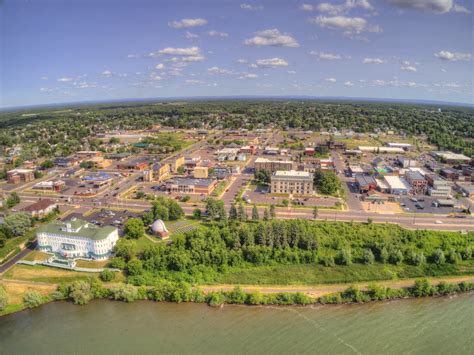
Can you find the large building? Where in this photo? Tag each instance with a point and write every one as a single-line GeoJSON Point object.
{"type": "Point", "coordinates": [396, 185]}
{"type": "Point", "coordinates": [176, 163]}
{"type": "Point", "coordinates": [292, 182]}
{"type": "Point", "coordinates": [191, 185]}
{"type": "Point", "coordinates": [41, 208]}
{"type": "Point", "coordinates": [438, 187]}
{"type": "Point", "coordinates": [366, 183]}
{"type": "Point", "coordinates": [16, 176]}
{"type": "Point", "coordinates": [157, 172]}
{"type": "Point", "coordinates": [273, 165]}
{"type": "Point", "coordinates": [77, 239]}
{"type": "Point", "coordinates": [416, 180]}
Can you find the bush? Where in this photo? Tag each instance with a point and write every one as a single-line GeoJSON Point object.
{"type": "Point", "coordinates": [134, 228]}
{"type": "Point", "coordinates": [466, 253]}
{"type": "Point", "coordinates": [254, 298]}
{"type": "Point", "coordinates": [236, 296]}
{"type": "Point", "coordinates": [215, 299]}
{"type": "Point", "coordinates": [33, 299]}
{"type": "Point", "coordinates": [107, 275]}
{"type": "Point", "coordinates": [422, 288]}
{"type": "Point", "coordinates": [395, 257]}
{"type": "Point", "coordinates": [453, 257]}
{"type": "Point", "coordinates": [438, 257]}
{"type": "Point", "coordinates": [3, 298]}
{"type": "Point", "coordinates": [124, 292]}
{"type": "Point", "coordinates": [368, 257]}
{"type": "Point", "coordinates": [80, 292]}
{"type": "Point", "coordinates": [344, 257]}
{"type": "Point", "coordinates": [327, 261]}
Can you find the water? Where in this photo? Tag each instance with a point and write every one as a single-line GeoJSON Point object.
{"type": "Point", "coordinates": [425, 326]}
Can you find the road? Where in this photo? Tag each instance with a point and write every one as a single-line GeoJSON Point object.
{"type": "Point", "coordinates": [4, 267]}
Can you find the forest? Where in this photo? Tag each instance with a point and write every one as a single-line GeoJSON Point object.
{"type": "Point", "coordinates": [49, 132]}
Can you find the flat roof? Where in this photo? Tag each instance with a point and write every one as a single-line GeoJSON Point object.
{"type": "Point", "coordinates": [396, 182]}
{"type": "Point", "coordinates": [265, 160]}
{"type": "Point", "coordinates": [190, 181]}
{"type": "Point", "coordinates": [451, 156]}
{"type": "Point", "coordinates": [293, 174]}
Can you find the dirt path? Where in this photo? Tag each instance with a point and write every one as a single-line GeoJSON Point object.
{"type": "Point", "coordinates": [320, 290]}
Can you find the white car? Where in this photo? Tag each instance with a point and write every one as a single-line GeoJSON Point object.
{"type": "Point", "coordinates": [438, 222]}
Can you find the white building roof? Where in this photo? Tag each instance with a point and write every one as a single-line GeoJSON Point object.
{"type": "Point", "coordinates": [396, 182]}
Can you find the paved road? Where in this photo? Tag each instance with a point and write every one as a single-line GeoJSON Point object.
{"type": "Point", "coordinates": [17, 257]}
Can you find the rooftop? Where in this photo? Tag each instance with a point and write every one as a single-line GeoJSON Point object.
{"type": "Point", "coordinates": [40, 205]}
{"type": "Point", "coordinates": [190, 181]}
{"type": "Point", "coordinates": [77, 228]}
{"type": "Point", "coordinates": [293, 174]}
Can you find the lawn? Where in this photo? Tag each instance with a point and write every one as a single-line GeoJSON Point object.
{"type": "Point", "coordinates": [40, 273]}
{"type": "Point", "coordinates": [37, 255]}
{"type": "Point", "coordinates": [318, 274]}
{"type": "Point", "coordinates": [11, 247]}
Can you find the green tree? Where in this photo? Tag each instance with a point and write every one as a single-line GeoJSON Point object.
{"type": "Point", "coordinates": [134, 228]}
{"type": "Point", "coordinates": [255, 216]}
{"type": "Point", "coordinates": [12, 200]}
{"type": "Point", "coordinates": [161, 212]}
{"type": "Point", "coordinates": [197, 213]}
{"type": "Point", "coordinates": [17, 224]}
{"type": "Point", "coordinates": [315, 212]}
{"type": "Point", "coordinates": [107, 275]}
{"type": "Point", "coordinates": [266, 214]}
{"type": "Point", "coordinates": [272, 212]}
{"type": "Point", "coordinates": [80, 292]}
{"type": "Point", "coordinates": [368, 257]}
{"type": "Point", "coordinates": [242, 213]}
{"type": "Point", "coordinates": [232, 213]}
{"type": "Point", "coordinates": [125, 249]}
{"type": "Point", "coordinates": [438, 257]}
{"type": "Point", "coordinates": [344, 257]}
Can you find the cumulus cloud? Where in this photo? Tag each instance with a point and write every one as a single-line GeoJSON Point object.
{"type": "Point", "coordinates": [407, 66]}
{"type": "Point", "coordinates": [214, 33]}
{"type": "Point", "coordinates": [373, 61]}
{"type": "Point", "coordinates": [249, 7]}
{"type": "Point", "coordinates": [193, 81]}
{"type": "Point", "coordinates": [272, 37]}
{"type": "Point", "coordinates": [331, 80]}
{"type": "Point", "coordinates": [334, 9]}
{"type": "Point", "coordinates": [160, 66]}
{"type": "Point", "coordinates": [106, 73]}
{"type": "Point", "coordinates": [271, 63]}
{"type": "Point", "coordinates": [350, 25]}
{"type": "Point", "coordinates": [439, 6]}
{"type": "Point", "coordinates": [453, 56]}
{"type": "Point", "coordinates": [328, 56]}
{"type": "Point", "coordinates": [306, 7]}
{"type": "Point", "coordinates": [187, 23]}
{"type": "Point", "coordinates": [188, 51]}
{"type": "Point", "coordinates": [188, 59]}
{"type": "Point", "coordinates": [349, 83]}
{"type": "Point", "coordinates": [459, 8]}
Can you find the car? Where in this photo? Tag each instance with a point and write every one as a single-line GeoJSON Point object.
{"type": "Point", "coordinates": [438, 221]}
{"type": "Point", "coordinates": [413, 199]}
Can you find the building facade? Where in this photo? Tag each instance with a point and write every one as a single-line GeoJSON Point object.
{"type": "Point", "coordinates": [77, 239]}
{"type": "Point", "coordinates": [272, 166]}
{"type": "Point", "coordinates": [292, 182]}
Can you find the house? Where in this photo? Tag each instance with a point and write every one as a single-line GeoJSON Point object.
{"type": "Point", "coordinates": [98, 179]}
{"type": "Point", "coordinates": [176, 163]}
{"type": "Point", "coordinates": [249, 149]}
{"type": "Point", "coordinates": [273, 165]}
{"type": "Point", "coordinates": [16, 176]}
{"type": "Point", "coordinates": [292, 182]}
{"type": "Point", "coordinates": [191, 185]}
{"type": "Point", "coordinates": [466, 189]}
{"type": "Point", "coordinates": [309, 151]}
{"type": "Point", "coordinates": [271, 151]}
{"type": "Point", "coordinates": [438, 187]}
{"type": "Point", "coordinates": [77, 238]}
{"type": "Point", "coordinates": [87, 154]}
{"type": "Point", "coordinates": [366, 183]}
{"type": "Point", "coordinates": [407, 162]}
{"type": "Point", "coordinates": [41, 208]}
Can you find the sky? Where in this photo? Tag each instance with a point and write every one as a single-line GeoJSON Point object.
{"type": "Point", "coordinates": [81, 50]}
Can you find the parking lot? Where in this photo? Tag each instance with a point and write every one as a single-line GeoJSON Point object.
{"type": "Point", "coordinates": [413, 205]}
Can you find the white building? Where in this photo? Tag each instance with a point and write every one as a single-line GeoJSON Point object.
{"type": "Point", "coordinates": [396, 185]}
{"type": "Point", "coordinates": [292, 182]}
{"type": "Point", "coordinates": [77, 239]}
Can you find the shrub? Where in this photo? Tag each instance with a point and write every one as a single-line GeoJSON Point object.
{"type": "Point", "coordinates": [395, 257]}
{"type": "Point", "coordinates": [124, 292]}
{"type": "Point", "coordinates": [215, 299]}
{"type": "Point", "coordinates": [107, 275]}
{"type": "Point", "coordinates": [344, 257]}
{"type": "Point", "coordinates": [33, 299]}
{"type": "Point", "coordinates": [422, 288]}
{"type": "Point", "coordinates": [80, 292]}
{"type": "Point", "coordinates": [368, 257]}
{"type": "Point", "coordinates": [438, 257]}
{"type": "Point", "coordinates": [466, 253]}
{"type": "Point", "coordinates": [453, 257]}
{"type": "Point", "coordinates": [3, 298]}
{"type": "Point", "coordinates": [236, 296]}
{"type": "Point", "coordinates": [327, 261]}
{"type": "Point", "coordinates": [254, 298]}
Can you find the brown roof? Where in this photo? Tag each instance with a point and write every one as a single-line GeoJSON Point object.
{"type": "Point", "coordinates": [39, 206]}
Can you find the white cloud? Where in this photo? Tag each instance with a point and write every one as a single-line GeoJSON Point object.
{"type": "Point", "coordinates": [192, 81]}
{"type": "Point", "coordinates": [249, 7]}
{"type": "Point", "coordinates": [333, 9]}
{"type": "Point", "coordinates": [453, 56]}
{"type": "Point", "coordinates": [349, 83]}
{"type": "Point", "coordinates": [160, 66]}
{"type": "Point", "coordinates": [350, 25]}
{"type": "Point", "coordinates": [193, 58]}
{"type": "Point", "coordinates": [132, 56]}
{"type": "Point", "coordinates": [459, 8]}
{"type": "Point", "coordinates": [190, 35]}
{"type": "Point", "coordinates": [248, 76]}
{"type": "Point", "coordinates": [44, 78]}
{"type": "Point", "coordinates": [327, 56]}
{"type": "Point", "coordinates": [271, 63]}
{"type": "Point", "coordinates": [436, 6]}
{"type": "Point", "coordinates": [65, 79]}
{"type": "Point", "coordinates": [242, 61]}
{"type": "Point", "coordinates": [106, 73]}
{"type": "Point", "coordinates": [189, 51]}
{"type": "Point", "coordinates": [214, 33]}
{"type": "Point", "coordinates": [47, 90]}
{"type": "Point", "coordinates": [331, 80]}
{"type": "Point", "coordinates": [155, 77]}
{"type": "Point", "coordinates": [188, 22]}
{"type": "Point", "coordinates": [406, 66]}
{"type": "Point", "coordinates": [217, 70]}
{"type": "Point", "coordinates": [272, 37]}
{"type": "Point", "coordinates": [373, 61]}
{"type": "Point", "coordinates": [291, 72]}
{"type": "Point", "coordinates": [306, 7]}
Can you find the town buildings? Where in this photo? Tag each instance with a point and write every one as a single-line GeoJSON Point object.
{"type": "Point", "coordinates": [292, 182]}
{"type": "Point", "coordinates": [417, 181]}
{"type": "Point", "coordinates": [272, 166]}
{"type": "Point", "coordinates": [41, 208]}
{"type": "Point", "coordinates": [191, 185]}
{"type": "Point", "coordinates": [366, 183]}
{"type": "Point", "coordinates": [16, 176]}
{"type": "Point", "coordinates": [55, 185]}
{"type": "Point", "coordinates": [157, 172]}
{"type": "Point", "coordinates": [77, 239]}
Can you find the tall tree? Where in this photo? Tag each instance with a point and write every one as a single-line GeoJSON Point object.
{"type": "Point", "coordinates": [255, 216]}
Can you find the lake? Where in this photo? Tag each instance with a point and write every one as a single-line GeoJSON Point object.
{"type": "Point", "coordinates": [420, 326]}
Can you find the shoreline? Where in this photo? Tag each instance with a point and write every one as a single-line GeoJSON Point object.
{"type": "Point", "coordinates": [352, 295]}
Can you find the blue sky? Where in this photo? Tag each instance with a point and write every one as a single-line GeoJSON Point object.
{"type": "Point", "coordinates": [70, 50]}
